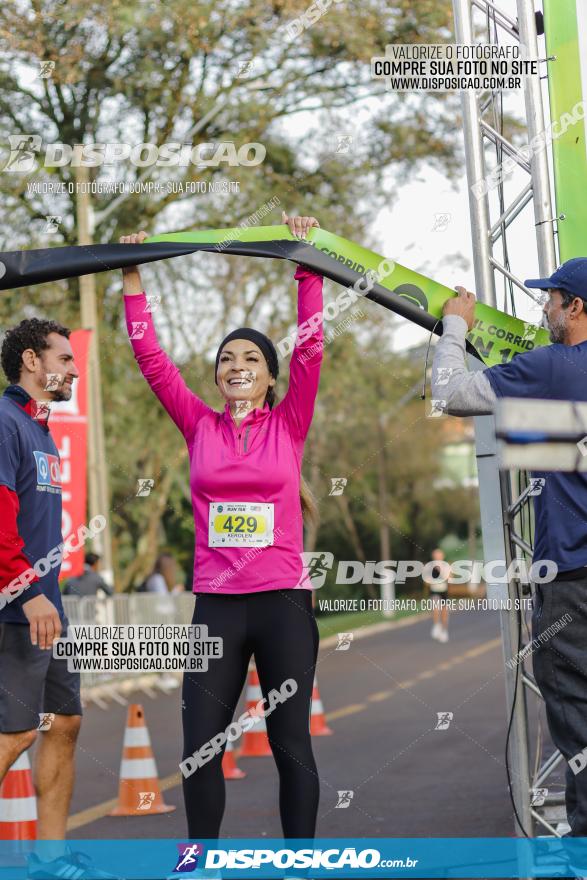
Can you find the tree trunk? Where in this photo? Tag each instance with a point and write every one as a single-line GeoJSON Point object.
{"type": "Point", "coordinates": [354, 538]}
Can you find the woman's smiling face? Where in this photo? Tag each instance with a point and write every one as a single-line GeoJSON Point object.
{"type": "Point", "coordinates": [243, 373]}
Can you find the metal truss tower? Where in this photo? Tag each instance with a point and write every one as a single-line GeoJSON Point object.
{"type": "Point", "coordinates": [504, 514]}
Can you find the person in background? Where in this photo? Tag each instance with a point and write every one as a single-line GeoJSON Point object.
{"type": "Point", "coordinates": [90, 583]}
{"type": "Point", "coordinates": [439, 590]}
{"type": "Point", "coordinates": [163, 577]}
{"type": "Point", "coordinates": [162, 581]}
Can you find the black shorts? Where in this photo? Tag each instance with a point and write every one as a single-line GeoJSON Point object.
{"type": "Point", "coordinates": [32, 681]}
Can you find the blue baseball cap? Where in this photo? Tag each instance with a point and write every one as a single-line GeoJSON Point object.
{"type": "Point", "coordinates": [571, 276]}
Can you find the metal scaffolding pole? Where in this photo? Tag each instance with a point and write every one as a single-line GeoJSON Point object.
{"type": "Point", "coordinates": [500, 510]}
{"type": "Point", "coordinates": [475, 165]}
{"type": "Point", "coordinates": [543, 210]}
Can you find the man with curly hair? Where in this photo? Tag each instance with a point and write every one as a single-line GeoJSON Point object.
{"type": "Point", "coordinates": [38, 361]}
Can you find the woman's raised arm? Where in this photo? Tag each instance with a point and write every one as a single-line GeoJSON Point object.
{"type": "Point", "coordinates": [165, 379]}
{"type": "Point", "coordinates": [304, 370]}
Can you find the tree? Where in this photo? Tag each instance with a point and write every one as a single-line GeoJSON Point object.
{"type": "Point", "coordinates": [201, 72]}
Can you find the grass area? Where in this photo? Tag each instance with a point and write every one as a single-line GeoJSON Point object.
{"type": "Point", "coordinates": [329, 624]}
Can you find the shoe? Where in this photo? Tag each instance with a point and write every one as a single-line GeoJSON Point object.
{"type": "Point", "coordinates": [71, 866]}
{"type": "Point", "coordinates": [436, 631]}
{"type": "Point", "coordinates": [443, 637]}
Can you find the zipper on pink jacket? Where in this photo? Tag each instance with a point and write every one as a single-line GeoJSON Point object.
{"type": "Point", "coordinates": [240, 445]}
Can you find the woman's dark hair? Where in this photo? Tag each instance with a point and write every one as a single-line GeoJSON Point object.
{"type": "Point", "coordinates": [158, 567]}
{"type": "Point", "coordinates": [30, 333]}
{"type": "Point", "coordinates": [307, 500]}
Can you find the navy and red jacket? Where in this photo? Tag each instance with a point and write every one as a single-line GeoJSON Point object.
{"type": "Point", "coordinates": [30, 502]}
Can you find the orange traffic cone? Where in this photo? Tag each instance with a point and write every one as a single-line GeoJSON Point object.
{"type": "Point", "coordinates": [229, 768]}
{"type": "Point", "coordinates": [138, 792]}
{"type": "Point", "coordinates": [18, 803]}
{"type": "Point", "coordinates": [255, 741]}
{"type": "Point", "coordinates": [318, 725]}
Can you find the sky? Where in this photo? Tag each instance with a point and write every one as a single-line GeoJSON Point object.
{"type": "Point", "coordinates": [406, 230]}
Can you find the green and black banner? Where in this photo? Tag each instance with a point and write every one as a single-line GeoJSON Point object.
{"type": "Point", "coordinates": [565, 25]}
{"type": "Point", "coordinates": [494, 339]}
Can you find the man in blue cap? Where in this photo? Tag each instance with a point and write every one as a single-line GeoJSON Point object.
{"type": "Point", "coordinates": [553, 372]}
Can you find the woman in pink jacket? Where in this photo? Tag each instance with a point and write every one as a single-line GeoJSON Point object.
{"type": "Point", "coordinates": [252, 588]}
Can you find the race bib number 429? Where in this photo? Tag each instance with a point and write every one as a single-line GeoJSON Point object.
{"type": "Point", "coordinates": [240, 524]}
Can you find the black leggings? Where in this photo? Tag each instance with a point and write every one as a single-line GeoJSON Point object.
{"type": "Point", "coordinates": [279, 628]}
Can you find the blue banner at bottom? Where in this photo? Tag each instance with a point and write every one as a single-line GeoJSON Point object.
{"type": "Point", "coordinates": [308, 859]}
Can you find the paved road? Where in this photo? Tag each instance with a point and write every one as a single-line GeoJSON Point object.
{"type": "Point", "coordinates": [381, 698]}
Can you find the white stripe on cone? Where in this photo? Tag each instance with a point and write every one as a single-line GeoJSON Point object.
{"type": "Point", "coordinates": [317, 707]}
{"type": "Point", "coordinates": [22, 762]}
{"type": "Point", "coordinates": [254, 693]}
{"type": "Point", "coordinates": [258, 724]}
{"type": "Point", "coordinates": [18, 809]}
{"type": "Point", "coordinates": [135, 737]}
{"type": "Point", "coordinates": [138, 768]}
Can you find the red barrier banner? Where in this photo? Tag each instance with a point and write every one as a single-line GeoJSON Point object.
{"type": "Point", "coordinates": [69, 428]}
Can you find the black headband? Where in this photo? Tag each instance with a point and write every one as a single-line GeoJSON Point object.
{"type": "Point", "coordinates": [261, 341]}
